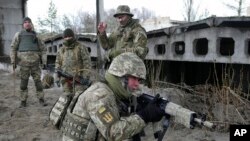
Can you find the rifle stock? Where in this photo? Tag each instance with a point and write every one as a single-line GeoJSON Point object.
{"type": "Point", "coordinates": [181, 115]}
{"type": "Point", "coordinates": [78, 79]}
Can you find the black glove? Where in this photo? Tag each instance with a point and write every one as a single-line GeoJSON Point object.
{"type": "Point", "coordinates": [152, 112]}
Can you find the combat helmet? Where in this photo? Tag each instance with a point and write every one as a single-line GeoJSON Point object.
{"type": "Point", "coordinates": [128, 63]}
{"type": "Point", "coordinates": [47, 81]}
{"type": "Point", "coordinates": [123, 9]}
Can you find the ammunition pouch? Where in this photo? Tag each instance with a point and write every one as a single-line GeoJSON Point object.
{"type": "Point", "coordinates": [73, 127]}
{"type": "Point", "coordinates": [59, 110]}
{"type": "Point", "coordinates": [76, 127]}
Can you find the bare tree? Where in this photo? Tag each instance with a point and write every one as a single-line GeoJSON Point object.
{"type": "Point", "coordinates": [66, 22]}
{"type": "Point", "coordinates": [237, 5]}
{"type": "Point", "coordinates": [190, 10]}
{"type": "Point", "coordinates": [89, 22]}
{"type": "Point", "coordinates": [49, 22]}
{"type": "Point", "coordinates": [83, 21]}
{"type": "Point", "coordinates": [110, 20]}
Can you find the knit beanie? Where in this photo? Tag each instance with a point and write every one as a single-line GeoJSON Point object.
{"type": "Point", "coordinates": [27, 19]}
{"type": "Point", "coordinates": [68, 33]}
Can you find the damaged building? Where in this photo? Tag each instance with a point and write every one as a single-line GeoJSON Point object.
{"type": "Point", "coordinates": [214, 51]}
{"type": "Point", "coordinates": [11, 14]}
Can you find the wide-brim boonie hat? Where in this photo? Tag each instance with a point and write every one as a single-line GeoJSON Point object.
{"type": "Point", "coordinates": [123, 10]}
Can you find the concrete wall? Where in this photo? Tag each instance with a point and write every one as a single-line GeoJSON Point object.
{"type": "Point", "coordinates": [11, 15]}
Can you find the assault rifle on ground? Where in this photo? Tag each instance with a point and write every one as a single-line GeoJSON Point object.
{"type": "Point", "coordinates": [181, 115]}
{"type": "Point", "coordinates": [78, 79]}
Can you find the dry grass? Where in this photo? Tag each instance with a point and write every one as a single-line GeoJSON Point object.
{"type": "Point", "coordinates": [222, 103]}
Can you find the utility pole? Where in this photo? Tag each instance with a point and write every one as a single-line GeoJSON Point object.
{"type": "Point", "coordinates": [99, 17]}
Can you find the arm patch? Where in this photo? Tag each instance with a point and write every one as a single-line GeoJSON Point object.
{"type": "Point", "coordinates": [105, 115]}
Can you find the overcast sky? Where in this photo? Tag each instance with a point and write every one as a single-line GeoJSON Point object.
{"type": "Point", "coordinates": [163, 8]}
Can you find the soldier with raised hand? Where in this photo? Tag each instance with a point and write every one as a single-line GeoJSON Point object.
{"type": "Point", "coordinates": [29, 52]}
{"type": "Point", "coordinates": [74, 59]}
{"type": "Point", "coordinates": [130, 36]}
{"type": "Point", "coordinates": [102, 111]}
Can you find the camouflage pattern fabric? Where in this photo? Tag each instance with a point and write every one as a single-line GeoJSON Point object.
{"type": "Point", "coordinates": [29, 64]}
{"type": "Point", "coordinates": [25, 73]}
{"type": "Point", "coordinates": [47, 81]}
{"type": "Point", "coordinates": [73, 59]}
{"type": "Point", "coordinates": [27, 58]}
{"type": "Point", "coordinates": [125, 63]}
{"type": "Point", "coordinates": [98, 104]}
{"type": "Point", "coordinates": [131, 38]}
{"type": "Point", "coordinates": [123, 10]}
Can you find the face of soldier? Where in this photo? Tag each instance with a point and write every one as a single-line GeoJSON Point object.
{"type": "Point", "coordinates": [133, 83]}
{"type": "Point", "coordinates": [123, 19]}
{"type": "Point", "coordinates": [27, 25]}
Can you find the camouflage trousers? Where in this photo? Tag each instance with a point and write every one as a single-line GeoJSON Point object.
{"type": "Point", "coordinates": [25, 73]}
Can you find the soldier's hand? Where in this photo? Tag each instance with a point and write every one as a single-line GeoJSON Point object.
{"type": "Point", "coordinates": [152, 112]}
{"type": "Point", "coordinates": [102, 27]}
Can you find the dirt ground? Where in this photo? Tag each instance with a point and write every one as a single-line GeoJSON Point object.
{"type": "Point", "coordinates": [31, 123]}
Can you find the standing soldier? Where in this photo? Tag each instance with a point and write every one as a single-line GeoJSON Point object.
{"type": "Point", "coordinates": [130, 36]}
{"type": "Point", "coordinates": [74, 59]}
{"type": "Point", "coordinates": [28, 51]}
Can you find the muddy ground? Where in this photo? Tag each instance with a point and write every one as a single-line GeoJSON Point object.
{"type": "Point", "coordinates": [31, 123]}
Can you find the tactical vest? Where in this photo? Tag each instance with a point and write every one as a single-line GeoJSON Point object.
{"type": "Point", "coordinates": [73, 128]}
{"type": "Point", "coordinates": [28, 42]}
{"type": "Point", "coordinates": [77, 128]}
{"type": "Point", "coordinates": [71, 58]}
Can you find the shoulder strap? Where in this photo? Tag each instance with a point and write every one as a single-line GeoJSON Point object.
{"type": "Point", "coordinates": [73, 103]}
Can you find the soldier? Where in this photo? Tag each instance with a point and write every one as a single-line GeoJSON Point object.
{"type": "Point", "coordinates": [72, 58]}
{"type": "Point", "coordinates": [102, 111]}
{"type": "Point", "coordinates": [130, 36]}
{"type": "Point", "coordinates": [28, 51]}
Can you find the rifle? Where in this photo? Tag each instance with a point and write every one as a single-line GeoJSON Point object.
{"type": "Point", "coordinates": [182, 115]}
{"type": "Point", "coordinates": [79, 79]}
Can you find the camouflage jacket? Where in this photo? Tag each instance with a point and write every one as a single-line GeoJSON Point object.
{"type": "Point", "coordinates": [27, 58]}
{"type": "Point", "coordinates": [131, 38]}
{"type": "Point", "coordinates": [98, 105]}
{"type": "Point", "coordinates": [74, 59]}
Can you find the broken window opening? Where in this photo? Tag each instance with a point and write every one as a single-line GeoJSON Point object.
{"type": "Point", "coordinates": [200, 46]}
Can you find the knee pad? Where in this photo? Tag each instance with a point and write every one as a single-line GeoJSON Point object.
{"type": "Point", "coordinates": [24, 84]}
{"type": "Point", "coordinates": [39, 86]}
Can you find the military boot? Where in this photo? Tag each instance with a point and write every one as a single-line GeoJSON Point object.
{"type": "Point", "coordinates": [23, 104]}
{"type": "Point", "coordinates": [42, 102]}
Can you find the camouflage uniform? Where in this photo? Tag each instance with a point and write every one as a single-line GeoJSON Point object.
{"type": "Point", "coordinates": [129, 38]}
{"type": "Point", "coordinates": [28, 51]}
{"type": "Point", "coordinates": [99, 113]}
{"type": "Point", "coordinates": [73, 59]}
